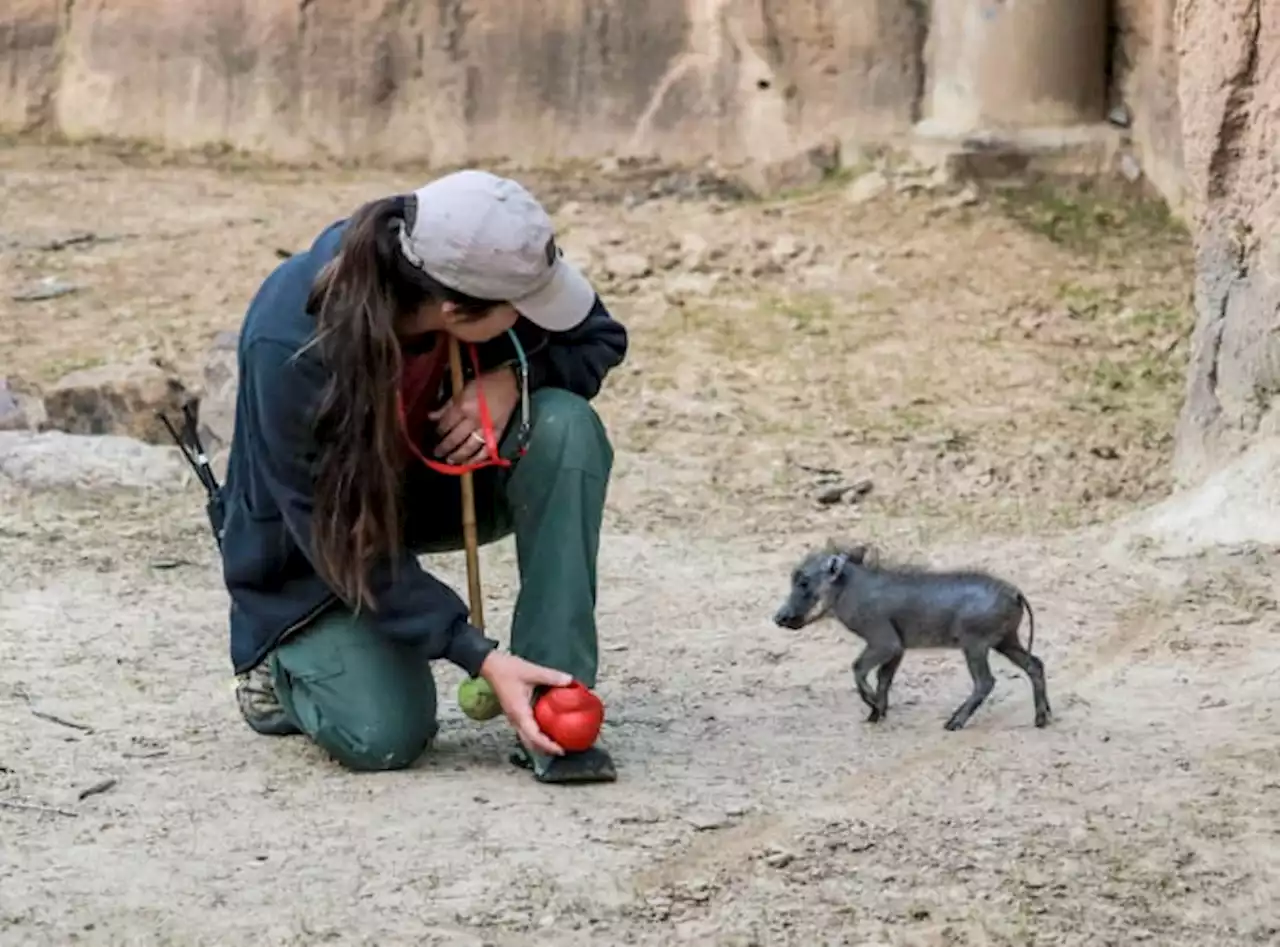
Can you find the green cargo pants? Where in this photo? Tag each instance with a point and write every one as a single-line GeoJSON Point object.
{"type": "Point", "coordinates": [370, 702]}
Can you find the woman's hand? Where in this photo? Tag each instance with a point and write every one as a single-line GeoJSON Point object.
{"type": "Point", "coordinates": [458, 421]}
{"type": "Point", "coordinates": [513, 681]}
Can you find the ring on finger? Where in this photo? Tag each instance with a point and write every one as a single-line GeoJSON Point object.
{"type": "Point", "coordinates": [477, 436]}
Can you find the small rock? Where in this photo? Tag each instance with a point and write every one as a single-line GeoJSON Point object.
{"type": "Point", "coordinates": [779, 859]}
{"type": "Point", "coordinates": [836, 493]}
{"type": "Point", "coordinates": [660, 907]}
{"type": "Point", "coordinates": [867, 188]}
{"type": "Point", "coordinates": [832, 495]}
{"type": "Point", "coordinates": [1034, 880]}
{"type": "Point", "coordinates": [805, 169]}
{"type": "Point", "coordinates": [707, 821]}
{"type": "Point", "coordinates": [1119, 116]}
{"type": "Point", "coordinates": [117, 399]}
{"type": "Point", "coordinates": [785, 249]}
{"type": "Point", "coordinates": [48, 288]}
{"type": "Point", "coordinates": [627, 266]}
{"type": "Point", "coordinates": [1130, 168]}
{"type": "Point", "coordinates": [692, 284]}
{"type": "Point", "coordinates": [697, 889]}
{"type": "Point", "coordinates": [765, 267]}
{"type": "Point", "coordinates": [967, 197]}
{"type": "Point", "coordinates": [695, 251]}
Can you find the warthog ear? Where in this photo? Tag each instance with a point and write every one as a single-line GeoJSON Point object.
{"type": "Point", "coordinates": [834, 565]}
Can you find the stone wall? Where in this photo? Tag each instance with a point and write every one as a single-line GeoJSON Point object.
{"type": "Point", "coordinates": [1229, 88]}
{"type": "Point", "coordinates": [445, 81]}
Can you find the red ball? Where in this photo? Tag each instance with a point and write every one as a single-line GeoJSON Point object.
{"type": "Point", "coordinates": [571, 715]}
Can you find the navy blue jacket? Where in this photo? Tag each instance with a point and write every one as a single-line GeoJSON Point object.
{"type": "Point", "coordinates": [266, 548]}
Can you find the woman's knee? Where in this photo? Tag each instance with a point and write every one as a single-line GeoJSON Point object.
{"type": "Point", "coordinates": [567, 428]}
{"type": "Point", "coordinates": [389, 742]}
{"type": "Point", "coordinates": [370, 703]}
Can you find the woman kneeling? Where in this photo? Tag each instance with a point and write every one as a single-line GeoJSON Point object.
{"type": "Point", "coordinates": [343, 469]}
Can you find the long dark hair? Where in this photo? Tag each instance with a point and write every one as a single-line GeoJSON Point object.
{"type": "Point", "coordinates": [358, 300]}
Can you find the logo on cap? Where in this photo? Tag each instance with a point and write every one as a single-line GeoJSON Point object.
{"type": "Point", "coordinates": [552, 251]}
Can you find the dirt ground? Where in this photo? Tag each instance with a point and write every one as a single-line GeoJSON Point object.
{"type": "Point", "coordinates": [1004, 369]}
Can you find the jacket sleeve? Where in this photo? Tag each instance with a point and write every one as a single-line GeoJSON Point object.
{"type": "Point", "coordinates": [411, 604]}
{"type": "Point", "coordinates": [578, 360]}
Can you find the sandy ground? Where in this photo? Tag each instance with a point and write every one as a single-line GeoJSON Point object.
{"type": "Point", "coordinates": [1006, 375]}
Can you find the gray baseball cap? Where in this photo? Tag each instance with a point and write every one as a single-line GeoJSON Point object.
{"type": "Point", "coordinates": [488, 237]}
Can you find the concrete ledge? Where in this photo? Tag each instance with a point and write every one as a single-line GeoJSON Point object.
{"type": "Point", "coordinates": [1093, 149]}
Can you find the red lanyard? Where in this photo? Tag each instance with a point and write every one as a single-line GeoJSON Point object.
{"type": "Point", "coordinates": [491, 459]}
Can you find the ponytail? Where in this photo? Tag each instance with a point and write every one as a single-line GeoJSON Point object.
{"type": "Point", "coordinates": [357, 300]}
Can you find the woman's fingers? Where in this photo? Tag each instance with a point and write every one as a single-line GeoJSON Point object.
{"type": "Point", "coordinates": [513, 680]}
{"type": "Point", "coordinates": [446, 415]}
{"type": "Point", "coordinates": [455, 437]}
{"type": "Point", "coordinates": [549, 676]}
{"type": "Point", "coordinates": [533, 737]}
{"type": "Point", "coordinates": [449, 415]}
{"type": "Point", "coordinates": [472, 449]}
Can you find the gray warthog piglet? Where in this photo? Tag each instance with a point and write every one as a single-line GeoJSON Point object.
{"type": "Point", "coordinates": [894, 609]}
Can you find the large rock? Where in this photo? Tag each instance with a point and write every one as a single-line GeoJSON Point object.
{"type": "Point", "coordinates": [1236, 505]}
{"type": "Point", "coordinates": [54, 459]}
{"type": "Point", "coordinates": [446, 81]}
{"type": "Point", "coordinates": [1229, 83]}
{"type": "Point", "coordinates": [118, 399]}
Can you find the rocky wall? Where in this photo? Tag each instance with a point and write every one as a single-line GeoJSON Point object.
{"type": "Point", "coordinates": [1229, 89]}
{"type": "Point", "coordinates": [446, 81]}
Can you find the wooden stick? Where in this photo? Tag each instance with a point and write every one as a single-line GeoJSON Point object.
{"type": "Point", "coordinates": [469, 539]}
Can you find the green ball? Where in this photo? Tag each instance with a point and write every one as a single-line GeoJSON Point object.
{"type": "Point", "coordinates": [477, 700]}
